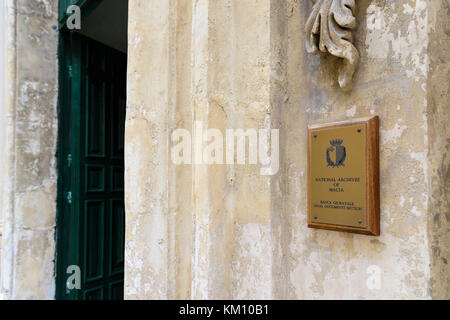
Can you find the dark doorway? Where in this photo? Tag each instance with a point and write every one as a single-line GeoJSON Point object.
{"type": "Point", "coordinates": [92, 102]}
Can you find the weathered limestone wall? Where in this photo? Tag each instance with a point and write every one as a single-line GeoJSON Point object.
{"type": "Point", "coordinates": [439, 148]}
{"type": "Point", "coordinates": [197, 232]}
{"type": "Point", "coordinates": [223, 231]}
{"type": "Point", "coordinates": [392, 38]}
{"type": "Point", "coordinates": [401, 43]}
{"type": "Point", "coordinates": [2, 109]}
{"type": "Point", "coordinates": [28, 179]}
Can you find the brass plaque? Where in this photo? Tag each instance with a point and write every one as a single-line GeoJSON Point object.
{"type": "Point", "coordinates": [343, 193]}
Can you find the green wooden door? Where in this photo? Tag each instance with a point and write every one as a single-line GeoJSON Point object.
{"type": "Point", "coordinates": [91, 222]}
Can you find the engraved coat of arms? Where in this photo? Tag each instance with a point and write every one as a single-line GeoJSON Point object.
{"type": "Point", "coordinates": [336, 154]}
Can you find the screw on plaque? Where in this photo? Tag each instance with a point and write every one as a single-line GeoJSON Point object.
{"type": "Point", "coordinates": [316, 217]}
{"type": "Point", "coordinates": [315, 135]}
{"type": "Point", "coordinates": [359, 221]}
{"type": "Point", "coordinates": [359, 130]}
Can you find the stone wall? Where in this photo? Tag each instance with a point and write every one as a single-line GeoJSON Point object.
{"type": "Point", "coordinates": [224, 231]}
{"type": "Point", "coordinates": [439, 149]}
{"type": "Point", "coordinates": [392, 38]}
{"type": "Point", "coordinates": [2, 110]}
{"type": "Point", "coordinates": [28, 158]}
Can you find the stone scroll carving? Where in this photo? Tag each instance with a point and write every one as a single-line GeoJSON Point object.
{"type": "Point", "coordinates": [330, 29]}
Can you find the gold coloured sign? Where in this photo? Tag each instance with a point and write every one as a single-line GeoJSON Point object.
{"type": "Point", "coordinates": [343, 178]}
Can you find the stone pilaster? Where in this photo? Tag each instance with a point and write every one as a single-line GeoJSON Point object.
{"type": "Point", "coordinates": [29, 175]}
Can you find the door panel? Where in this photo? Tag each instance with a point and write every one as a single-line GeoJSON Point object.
{"type": "Point", "coordinates": [93, 225]}
{"type": "Point", "coordinates": [94, 241]}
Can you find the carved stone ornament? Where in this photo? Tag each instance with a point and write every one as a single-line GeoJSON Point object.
{"type": "Point", "coordinates": [330, 29]}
